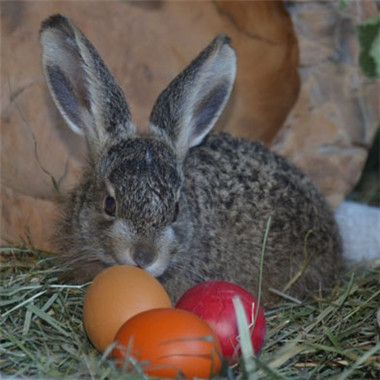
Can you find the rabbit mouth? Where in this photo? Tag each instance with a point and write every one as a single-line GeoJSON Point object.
{"type": "Point", "coordinates": [155, 265]}
{"type": "Point", "coordinates": [156, 269]}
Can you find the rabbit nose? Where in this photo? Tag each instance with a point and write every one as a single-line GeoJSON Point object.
{"type": "Point", "coordinates": [144, 256]}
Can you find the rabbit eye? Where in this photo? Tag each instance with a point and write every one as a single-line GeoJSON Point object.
{"type": "Point", "coordinates": [110, 205]}
{"type": "Point", "coordinates": [176, 212]}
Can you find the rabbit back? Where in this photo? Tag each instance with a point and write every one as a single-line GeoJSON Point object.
{"type": "Point", "coordinates": [233, 187]}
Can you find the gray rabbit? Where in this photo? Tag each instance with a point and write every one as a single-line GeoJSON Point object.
{"type": "Point", "coordinates": [180, 202]}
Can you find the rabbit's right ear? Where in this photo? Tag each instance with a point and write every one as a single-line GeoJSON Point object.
{"type": "Point", "coordinates": [190, 106]}
{"type": "Point", "coordinates": [83, 89]}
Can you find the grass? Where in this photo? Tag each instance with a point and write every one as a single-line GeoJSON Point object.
{"type": "Point", "coordinates": [42, 334]}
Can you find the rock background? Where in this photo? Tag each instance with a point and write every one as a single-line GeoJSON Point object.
{"type": "Point", "coordinates": [298, 89]}
{"type": "Point", "coordinates": [333, 124]}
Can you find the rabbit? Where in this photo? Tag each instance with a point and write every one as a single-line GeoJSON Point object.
{"type": "Point", "coordinates": [184, 204]}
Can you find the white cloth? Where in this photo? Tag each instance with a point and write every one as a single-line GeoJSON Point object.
{"type": "Point", "coordinates": [359, 226]}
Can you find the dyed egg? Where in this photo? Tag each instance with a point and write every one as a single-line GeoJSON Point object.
{"type": "Point", "coordinates": [169, 343]}
{"type": "Point", "coordinates": [213, 302]}
{"type": "Point", "coordinates": [115, 295]}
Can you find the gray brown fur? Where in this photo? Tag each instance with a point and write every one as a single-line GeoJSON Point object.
{"type": "Point", "coordinates": [190, 206]}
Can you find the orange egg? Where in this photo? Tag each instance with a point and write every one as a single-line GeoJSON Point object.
{"type": "Point", "coordinates": [169, 343]}
{"type": "Point", "coordinates": [117, 294]}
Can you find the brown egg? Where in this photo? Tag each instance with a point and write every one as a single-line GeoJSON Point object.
{"type": "Point", "coordinates": [117, 294]}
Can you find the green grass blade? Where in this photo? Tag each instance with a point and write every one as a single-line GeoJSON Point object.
{"type": "Point", "coordinates": [245, 340]}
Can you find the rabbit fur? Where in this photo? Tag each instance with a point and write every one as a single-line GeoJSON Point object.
{"type": "Point", "coordinates": [180, 202]}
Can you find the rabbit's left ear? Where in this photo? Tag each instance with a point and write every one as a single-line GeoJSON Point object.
{"type": "Point", "coordinates": [82, 87]}
{"type": "Point", "coordinates": [188, 109]}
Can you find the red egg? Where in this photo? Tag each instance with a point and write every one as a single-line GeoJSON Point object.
{"type": "Point", "coordinates": [213, 302]}
{"type": "Point", "coordinates": [169, 343]}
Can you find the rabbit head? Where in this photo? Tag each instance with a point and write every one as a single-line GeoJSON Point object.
{"type": "Point", "coordinates": [129, 207]}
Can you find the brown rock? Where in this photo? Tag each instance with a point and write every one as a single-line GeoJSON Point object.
{"type": "Point", "coordinates": [27, 220]}
{"type": "Point", "coordinates": [145, 44]}
{"type": "Point", "coordinates": [267, 82]}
